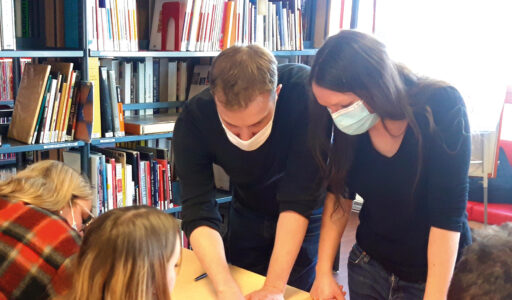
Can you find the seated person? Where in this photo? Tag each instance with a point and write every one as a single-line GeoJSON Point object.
{"type": "Point", "coordinates": [128, 253]}
{"type": "Point", "coordinates": [42, 209]}
{"type": "Point", "coordinates": [485, 270]}
{"type": "Point", "coordinates": [500, 188]}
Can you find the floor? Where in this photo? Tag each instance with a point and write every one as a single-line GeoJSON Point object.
{"type": "Point", "coordinates": [348, 240]}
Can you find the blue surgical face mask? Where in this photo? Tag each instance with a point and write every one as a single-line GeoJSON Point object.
{"type": "Point", "coordinates": [355, 119]}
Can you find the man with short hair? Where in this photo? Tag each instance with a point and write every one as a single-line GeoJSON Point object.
{"type": "Point", "coordinates": [252, 122]}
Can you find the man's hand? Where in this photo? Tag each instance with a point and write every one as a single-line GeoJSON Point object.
{"type": "Point", "coordinates": [266, 293]}
{"type": "Point", "coordinates": [230, 294]}
{"type": "Point", "coordinates": [326, 287]}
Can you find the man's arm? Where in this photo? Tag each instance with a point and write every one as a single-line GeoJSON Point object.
{"type": "Point", "coordinates": [201, 218]}
{"type": "Point", "coordinates": [209, 249]}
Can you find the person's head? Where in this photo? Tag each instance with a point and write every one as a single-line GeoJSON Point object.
{"type": "Point", "coordinates": [355, 84]}
{"type": "Point", "coordinates": [53, 186]}
{"type": "Point", "coordinates": [243, 82]}
{"type": "Point", "coordinates": [128, 253]}
{"type": "Point", "coordinates": [485, 269]}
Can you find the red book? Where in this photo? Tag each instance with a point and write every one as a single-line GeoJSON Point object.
{"type": "Point", "coordinates": [160, 187]}
{"type": "Point", "coordinates": [114, 181]}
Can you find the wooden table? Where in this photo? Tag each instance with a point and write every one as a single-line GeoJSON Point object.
{"type": "Point", "coordinates": [188, 289]}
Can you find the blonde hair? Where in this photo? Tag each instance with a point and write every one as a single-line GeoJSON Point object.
{"type": "Point", "coordinates": [48, 184]}
{"type": "Point", "coordinates": [124, 255]}
{"type": "Point", "coordinates": [240, 73]}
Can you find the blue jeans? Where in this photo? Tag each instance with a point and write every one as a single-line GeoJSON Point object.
{"type": "Point", "coordinates": [250, 240]}
{"type": "Point", "coordinates": [367, 279]}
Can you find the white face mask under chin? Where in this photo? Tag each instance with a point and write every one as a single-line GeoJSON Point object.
{"type": "Point", "coordinates": [255, 142]}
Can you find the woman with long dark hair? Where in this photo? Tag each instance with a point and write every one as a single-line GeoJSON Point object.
{"type": "Point", "coordinates": [402, 143]}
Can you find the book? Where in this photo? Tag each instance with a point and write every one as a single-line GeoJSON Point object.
{"type": "Point", "coordinates": [113, 102]}
{"type": "Point", "coordinates": [94, 77]}
{"type": "Point", "coordinates": [158, 123]}
{"type": "Point", "coordinates": [85, 112]}
{"type": "Point", "coordinates": [148, 81]}
{"type": "Point", "coordinates": [7, 27]}
{"type": "Point", "coordinates": [199, 80]}
{"type": "Point", "coordinates": [107, 127]}
{"type": "Point", "coordinates": [47, 115]}
{"type": "Point", "coordinates": [28, 102]}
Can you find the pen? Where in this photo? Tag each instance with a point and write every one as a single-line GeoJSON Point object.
{"type": "Point", "coordinates": [200, 277]}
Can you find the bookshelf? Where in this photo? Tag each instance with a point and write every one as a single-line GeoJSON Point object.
{"type": "Point", "coordinates": [82, 54]}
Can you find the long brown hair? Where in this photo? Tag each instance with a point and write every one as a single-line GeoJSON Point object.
{"type": "Point", "coordinates": [124, 255]}
{"type": "Point", "coordinates": [355, 62]}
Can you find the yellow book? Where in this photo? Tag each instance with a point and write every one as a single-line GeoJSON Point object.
{"type": "Point", "coordinates": [94, 77]}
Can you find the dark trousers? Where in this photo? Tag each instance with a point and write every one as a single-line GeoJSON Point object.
{"type": "Point", "coordinates": [250, 240]}
{"type": "Point", "coordinates": [368, 280]}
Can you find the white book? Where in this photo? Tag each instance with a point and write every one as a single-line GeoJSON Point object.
{"type": "Point", "coordinates": [110, 187]}
{"type": "Point", "coordinates": [130, 185]}
{"type": "Point", "coordinates": [186, 25]}
{"type": "Point", "coordinates": [92, 43]}
{"type": "Point", "coordinates": [202, 25]}
{"type": "Point", "coordinates": [121, 12]}
{"type": "Point", "coordinates": [106, 29]}
{"type": "Point", "coordinates": [140, 87]}
{"type": "Point", "coordinates": [45, 135]}
{"type": "Point", "coordinates": [7, 27]}
{"type": "Point", "coordinates": [172, 84]}
{"type": "Point", "coordinates": [55, 110]}
{"type": "Point", "coordinates": [142, 184]}
{"type": "Point", "coordinates": [99, 25]}
{"type": "Point", "coordinates": [111, 5]}
{"type": "Point", "coordinates": [286, 38]}
{"type": "Point", "coordinates": [194, 27]}
{"type": "Point", "coordinates": [347, 14]}
{"type": "Point", "coordinates": [163, 69]}
{"type": "Point", "coordinates": [95, 160]}
{"type": "Point", "coordinates": [126, 76]}
{"type": "Point", "coordinates": [148, 81]}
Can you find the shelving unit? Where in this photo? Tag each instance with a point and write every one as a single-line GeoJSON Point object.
{"type": "Point", "coordinates": [83, 54]}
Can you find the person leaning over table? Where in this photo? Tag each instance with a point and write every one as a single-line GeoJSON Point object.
{"type": "Point", "coordinates": [43, 211]}
{"type": "Point", "coordinates": [253, 122]}
{"type": "Point", "coordinates": [401, 142]}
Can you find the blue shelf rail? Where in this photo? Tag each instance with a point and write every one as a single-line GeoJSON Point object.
{"type": "Point", "coordinates": [130, 138]}
{"type": "Point", "coordinates": [42, 53]}
{"type": "Point", "coordinates": [12, 146]}
{"type": "Point", "coordinates": [139, 106]}
{"type": "Point", "coordinates": [221, 196]}
{"type": "Point", "coordinates": [184, 54]}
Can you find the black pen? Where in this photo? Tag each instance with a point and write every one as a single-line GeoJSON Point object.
{"type": "Point", "coordinates": [200, 277]}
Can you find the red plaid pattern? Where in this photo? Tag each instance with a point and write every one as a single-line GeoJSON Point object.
{"type": "Point", "coordinates": [35, 252]}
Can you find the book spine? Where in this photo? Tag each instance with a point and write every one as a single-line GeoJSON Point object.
{"type": "Point", "coordinates": [156, 84]}
{"type": "Point", "coordinates": [148, 81]}
{"type": "Point", "coordinates": [94, 77]}
{"type": "Point", "coordinates": [113, 102]}
{"type": "Point", "coordinates": [120, 111]}
{"type": "Point", "coordinates": [106, 106]}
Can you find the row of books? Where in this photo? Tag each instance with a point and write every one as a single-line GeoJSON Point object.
{"type": "Point", "coordinates": [40, 24]}
{"type": "Point", "coordinates": [47, 95]}
{"type": "Point", "coordinates": [114, 25]}
{"type": "Point", "coordinates": [126, 177]}
{"type": "Point", "coordinates": [212, 25]}
{"type": "Point", "coordinates": [119, 82]}
{"type": "Point", "coordinates": [7, 76]}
